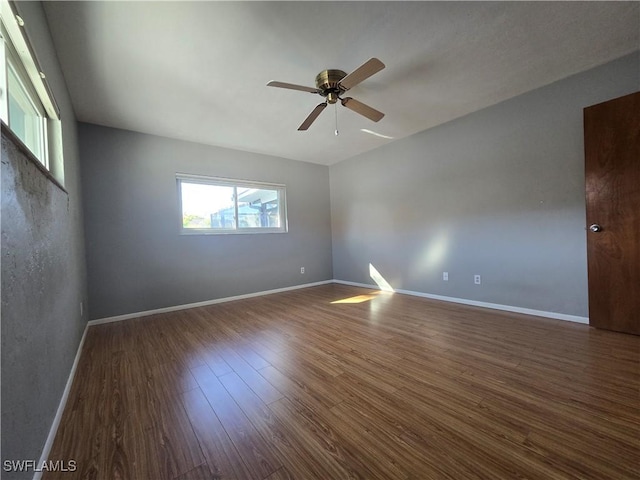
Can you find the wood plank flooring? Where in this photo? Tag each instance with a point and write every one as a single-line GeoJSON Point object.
{"type": "Point", "coordinates": [336, 382]}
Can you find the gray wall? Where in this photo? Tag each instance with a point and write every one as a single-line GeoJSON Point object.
{"type": "Point", "coordinates": [138, 261]}
{"type": "Point", "coordinates": [498, 193]}
{"type": "Point", "coordinates": [43, 274]}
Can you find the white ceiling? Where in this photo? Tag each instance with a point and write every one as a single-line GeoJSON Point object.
{"type": "Point", "coordinates": [198, 70]}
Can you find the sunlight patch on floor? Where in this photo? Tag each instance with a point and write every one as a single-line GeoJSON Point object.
{"type": "Point", "coordinates": [358, 298]}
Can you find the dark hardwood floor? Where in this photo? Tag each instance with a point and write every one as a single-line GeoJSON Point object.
{"type": "Point", "coordinates": [302, 386]}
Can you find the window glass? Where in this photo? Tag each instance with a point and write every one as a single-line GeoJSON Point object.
{"type": "Point", "coordinates": [258, 208]}
{"type": "Point", "coordinates": [212, 205]}
{"type": "Point", "coordinates": [24, 118]}
{"type": "Point", "coordinates": [207, 206]}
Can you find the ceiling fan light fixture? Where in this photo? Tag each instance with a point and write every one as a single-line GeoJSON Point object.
{"type": "Point", "coordinates": [332, 97]}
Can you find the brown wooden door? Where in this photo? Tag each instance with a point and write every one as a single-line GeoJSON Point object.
{"type": "Point", "coordinates": [612, 168]}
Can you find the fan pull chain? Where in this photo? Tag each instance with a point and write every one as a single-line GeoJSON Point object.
{"type": "Point", "coordinates": [336, 110]}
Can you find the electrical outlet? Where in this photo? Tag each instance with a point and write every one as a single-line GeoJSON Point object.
{"type": "Point", "coordinates": [445, 276]}
{"type": "Point", "coordinates": [301, 269]}
{"type": "Point", "coordinates": [477, 280]}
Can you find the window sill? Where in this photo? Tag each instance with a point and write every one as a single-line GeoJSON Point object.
{"type": "Point", "coordinates": [230, 232]}
{"type": "Point", "coordinates": [7, 132]}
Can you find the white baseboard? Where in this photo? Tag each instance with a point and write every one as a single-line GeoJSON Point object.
{"type": "Point", "coordinates": [464, 301]}
{"type": "Point", "coordinates": [44, 456]}
{"type": "Point", "coordinates": [175, 308]}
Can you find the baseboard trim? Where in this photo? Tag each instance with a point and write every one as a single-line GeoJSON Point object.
{"type": "Point", "coordinates": [462, 301]}
{"type": "Point", "coordinates": [186, 306]}
{"type": "Point", "coordinates": [46, 450]}
{"type": "Point", "coordinates": [475, 303]}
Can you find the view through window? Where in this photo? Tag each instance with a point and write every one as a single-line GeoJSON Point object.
{"type": "Point", "coordinates": [212, 205]}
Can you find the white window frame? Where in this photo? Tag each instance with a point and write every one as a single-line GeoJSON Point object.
{"type": "Point", "coordinates": [16, 54]}
{"type": "Point", "coordinates": [236, 184]}
{"type": "Point", "coordinates": [29, 97]}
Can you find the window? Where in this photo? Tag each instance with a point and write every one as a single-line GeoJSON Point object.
{"type": "Point", "coordinates": [218, 205]}
{"type": "Point", "coordinates": [26, 104]}
{"type": "Point", "coordinates": [26, 115]}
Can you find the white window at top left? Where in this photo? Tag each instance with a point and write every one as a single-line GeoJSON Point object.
{"type": "Point", "coordinates": [26, 104]}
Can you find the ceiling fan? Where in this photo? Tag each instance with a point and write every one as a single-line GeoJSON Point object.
{"type": "Point", "coordinates": [332, 84]}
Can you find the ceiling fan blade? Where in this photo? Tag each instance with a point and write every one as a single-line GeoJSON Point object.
{"type": "Point", "coordinates": [362, 109]}
{"type": "Point", "coordinates": [291, 86]}
{"type": "Point", "coordinates": [312, 117]}
{"type": "Point", "coordinates": [361, 73]}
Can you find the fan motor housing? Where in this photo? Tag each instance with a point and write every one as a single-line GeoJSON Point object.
{"type": "Point", "coordinates": [327, 83]}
